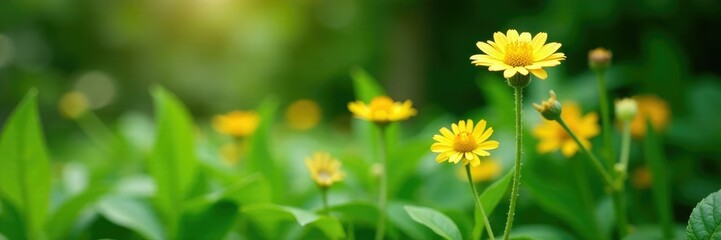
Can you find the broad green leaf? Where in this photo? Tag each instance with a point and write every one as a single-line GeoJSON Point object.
{"type": "Point", "coordinates": [656, 160]}
{"type": "Point", "coordinates": [260, 157]}
{"type": "Point", "coordinates": [399, 217]}
{"type": "Point", "coordinates": [66, 216]}
{"type": "Point", "coordinates": [330, 226]}
{"type": "Point", "coordinates": [705, 220]}
{"type": "Point", "coordinates": [436, 221]}
{"type": "Point", "coordinates": [132, 214]}
{"type": "Point", "coordinates": [172, 163]}
{"type": "Point", "coordinates": [358, 211]}
{"type": "Point", "coordinates": [212, 223]}
{"type": "Point", "coordinates": [10, 221]}
{"type": "Point", "coordinates": [365, 86]}
{"type": "Point", "coordinates": [490, 197]}
{"type": "Point", "coordinates": [24, 165]}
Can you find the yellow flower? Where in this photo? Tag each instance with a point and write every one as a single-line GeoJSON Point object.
{"type": "Point", "coordinates": [73, 105]}
{"type": "Point", "coordinates": [237, 123]}
{"type": "Point", "coordinates": [552, 136]}
{"type": "Point", "coordinates": [488, 170]}
{"type": "Point", "coordinates": [324, 169]}
{"type": "Point", "coordinates": [653, 108]}
{"type": "Point", "coordinates": [382, 109]}
{"type": "Point", "coordinates": [464, 142]}
{"type": "Point", "coordinates": [303, 114]}
{"type": "Point", "coordinates": [513, 53]}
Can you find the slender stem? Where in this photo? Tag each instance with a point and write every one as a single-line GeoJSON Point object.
{"type": "Point", "coordinates": [605, 118]}
{"type": "Point", "coordinates": [594, 159]}
{"type": "Point", "coordinates": [383, 188]}
{"type": "Point", "coordinates": [324, 198]}
{"type": "Point", "coordinates": [478, 203]}
{"type": "Point", "coordinates": [517, 169]}
{"type": "Point", "coordinates": [618, 195]}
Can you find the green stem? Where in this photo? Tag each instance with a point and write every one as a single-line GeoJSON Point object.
{"type": "Point", "coordinates": [618, 198]}
{"type": "Point", "coordinates": [517, 169]}
{"type": "Point", "coordinates": [594, 159]}
{"type": "Point", "coordinates": [383, 188]}
{"type": "Point", "coordinates": [324, 198]}
{"type": "Point", "coordinates": [478, 203]}
{"type": "Point", "coordinates": [605, 118]}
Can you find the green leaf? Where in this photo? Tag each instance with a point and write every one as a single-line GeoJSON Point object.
{"type": "Point", "coordinates": [365, 86]}
{"type": "Point", "coordinates": [63, 219]}
{"type": "Point", "coordinates": [24, 165]}
{"type": "Point", "coordinates": [490, 197]}
{"type": "Point", "coordinates": [358, 211]}
{"type": "Point", "coordinates": [212, 223]}
{"type": "Point", "coordinates": [705, 220]}
{"type": "Point", "coordinates": [330, 226]}
{"type": "Point", "coordinates": [10, 221]}
{"type": "Point", "coordinates": [260, 157]}
{"type": "Point", "coordinates": [172, 163]}
{"type": "Point", "coordinates": [132, 214]}
{"type": "Point", "coordinates": [656, 161]}
{"type": "Point", "coordinates": [400, 219]}
{"type": "Point", "coordinates": [436, 221]}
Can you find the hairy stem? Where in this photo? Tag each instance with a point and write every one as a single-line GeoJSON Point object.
{"type": "Point", "coordinates": [478, 203]}
{"type": "Point", "coordinates": [517, 169]}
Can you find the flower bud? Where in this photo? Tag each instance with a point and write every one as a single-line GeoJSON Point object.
{"type": "Point", "coordinates": [551, 108]}
{"type": "Point", "coordinates": [599, 59]}
{"type": "Point", "coordinates": [519, 80]}
{"type": "Point", "coordinates": [626, 109]}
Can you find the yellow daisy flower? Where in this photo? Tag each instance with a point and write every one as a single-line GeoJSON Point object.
{"type": "Point", "coordinates": [237, 123]}
{"type": "Point", "coordinates": [324, 169]}
{"type": "Point", "coordinates": [488, 170]}
{"type": "Point", "coordinates": [382, 109]}
{"type": "Point", "coordinates": [552, 136]}
{"type": "Point", "coordinates": [513, 53]}
{"type": "Point", "coordinates": [303, 114]}
{"type": "Point", "coordinates": [653, 108]}
{"type": "Point", "coordinates": [465, 142]}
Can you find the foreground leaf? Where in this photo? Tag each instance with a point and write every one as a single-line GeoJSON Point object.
{"type": "Point", "coordinates": [66, 216]}
{"type": "Point", "coordinates": [705, 220]}
{"type": "Point", "coordinates": [330, 226]}
{"type": "Point", "coordinates": [490, 197]}
{"type": "Point", "coordinates": [436, 221]}
{"type": "Point", "coordinates": [132, 214]}
{"type": "Point", "coordinates": [172, 163]}
{"type": "Point", "coordinates": [212, 223]}
{"type": "Point", "coordinates": [24, 166]}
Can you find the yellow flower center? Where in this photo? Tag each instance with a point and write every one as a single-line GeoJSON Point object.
{"type": "Point", "coordinates": [518, 54]}
{"type": "Point", "coordinates": [381, 103]}
{"type": "Point", "coordinates": [465, 142]}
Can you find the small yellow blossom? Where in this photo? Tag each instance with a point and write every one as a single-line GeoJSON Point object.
{"type": "Point", "coordinates": [73, 104]}
{"type": "Point", "coordinates": [237, 123]}
{"type": "Point", "coordinates": [552, 136]}
{"type": "Point", "coordinates": [642, 178]}
{"type": "Point", "coordinates": [303, 114]}
{"type": "Point", "coordinates": [465, 142]}
{"type": "Point", "coordinates": [382, 109]}
{"type": "Point", "coordinates": [488, 170]}
{"type": "Point", "coordinates": [653, 108]}
{"type": "Point", "coordinates": [513, 53]}
{"type": "Point", "coordinates": [324, 169]}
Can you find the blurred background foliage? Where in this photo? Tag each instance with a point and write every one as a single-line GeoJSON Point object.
{"type": "Point", "coordinates": [222, 55]}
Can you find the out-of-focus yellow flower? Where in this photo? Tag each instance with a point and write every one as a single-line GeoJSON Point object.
{"type": "Point", "coordinates": [552, 136]}
{"type": "Point", "coordinates": [237, 123]}
{"type": "Point", "coordinates": [487, 171]}
{"type": "Point", "coordinates": [642, 178]}
{"type": "Point", "coordinates": [465, 142]}
{"type": "Point", "coordinates": [382, 109]}
{"type": "Point", "coordinates": [653, 108]}
{"type": "Point", "coordinates": [513, 53]}
{"type": "Point", "coordinates": [324, 169]}
{"type": "Point", "coordinates": [303, 114]}
{"type": "Point", "coordinates": [73, 104]}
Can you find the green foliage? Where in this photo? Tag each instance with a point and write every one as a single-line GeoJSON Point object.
{"type": "Point", "coordinates": [329, 225]}
{"type": "Point", "coordinates": [132, 214]}
{"type": "Point", "coordinates": [211, 223]}
{"type": "Point", "coordinates": [490, 197]}
{"type": "Point", "coordinates": [172, 163]}
{"type": "Point", "coordinates": [705, 220]}
{"type": "Point", "coordinates": [24, 166]}
{"type": "Point", "coordinates": [657, 164]}
{"type": "Point", "coordinates": [436, 221]}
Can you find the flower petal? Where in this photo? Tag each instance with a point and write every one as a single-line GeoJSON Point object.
{"type": "Point", "coordinates": [522, 70]}
{"type": "Point", "coordinates": [512, 35]}
{"type": "Point", "coordinates": [525, 37]}
{"type": "Point", "coordinates": [540, 73]}
{"type": "Point", "coordinates": [485, 135]}
{"type": "Point", "coordinates": [489, 145]}
{"type": "Point", "coordinates": [440, 147]}
{"type": "Point", "coordinates": [539, 40]}
{"type": "Point", "coordinates": [501, 41]}
{"type": "Point", "coordinates": [508, 73]}
{"type": "Point", "coordinates": [499, 67]}
{"type": "Point", "coordinates": [447, 133]}
{"type": "Point", "coordinates": [490, 50]}
{"type": "Point", "coordinates": [478, 130]}
{"type": "Point", "coordinates": [456, 157]}
{"type": "Point", "coordinates": [545, 51]}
